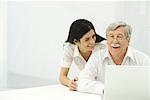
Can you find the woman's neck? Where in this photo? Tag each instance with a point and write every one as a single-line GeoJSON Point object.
{"type": "Point", "coordinates": [85, 55]}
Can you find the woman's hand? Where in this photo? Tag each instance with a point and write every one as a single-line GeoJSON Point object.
{"type": "Point", "coordinates": [73, 84]}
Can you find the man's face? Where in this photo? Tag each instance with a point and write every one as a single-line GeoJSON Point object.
{"type": "Point", "coordinates": [87, 42]}
{"type": "Point", "coordinates": [117, 42]}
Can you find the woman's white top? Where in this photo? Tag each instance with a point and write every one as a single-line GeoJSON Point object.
{"type": "Point", "coordinates": [71, 53]}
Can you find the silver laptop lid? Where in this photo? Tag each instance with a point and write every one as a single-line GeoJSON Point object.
{"type": "Point", "coordinates": [127, 83]}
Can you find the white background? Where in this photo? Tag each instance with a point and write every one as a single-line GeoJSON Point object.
{"type": "Point", "coordinates": [32, 33]}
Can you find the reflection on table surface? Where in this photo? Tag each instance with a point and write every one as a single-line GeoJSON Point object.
{"type": "Point", "coordinates": [46, 93]}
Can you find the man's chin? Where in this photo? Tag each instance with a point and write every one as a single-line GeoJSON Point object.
{"type": "Point", "coordinates": [115, 51]}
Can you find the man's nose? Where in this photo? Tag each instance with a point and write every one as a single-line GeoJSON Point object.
{"type": "Point", "coordinates": [115, 40]}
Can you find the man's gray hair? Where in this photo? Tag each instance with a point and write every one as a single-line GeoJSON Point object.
{"type": "Point", "coordinates": [118, 24]}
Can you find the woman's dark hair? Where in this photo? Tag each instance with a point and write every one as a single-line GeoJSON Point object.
{"type": "Point", "coordinates": [80, 27]}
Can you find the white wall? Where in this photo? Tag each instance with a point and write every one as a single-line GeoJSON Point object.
{"type": "Point", "coordinates": [3, 45]}
{"type": "Point", "coordinates": [137, 15]}
{"type": "Point", "coordinates": [37, 30]}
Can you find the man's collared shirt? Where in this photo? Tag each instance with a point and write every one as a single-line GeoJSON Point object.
{"type": "Point", "coordinates": [91, 79]}
{"type": "Point", "coordinates": [132, 57]}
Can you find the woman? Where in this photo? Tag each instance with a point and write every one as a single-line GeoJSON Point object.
{"type": "Point", "coordinates": [81, 42]}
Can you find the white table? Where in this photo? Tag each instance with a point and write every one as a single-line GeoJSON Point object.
{"type": "Point", "coordinates": [52, 92]}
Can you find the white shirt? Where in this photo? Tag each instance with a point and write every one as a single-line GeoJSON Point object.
{"type": "Point", "coordinates": [91, 79]}
{"type": "Point", "coordinates": [71, 53]}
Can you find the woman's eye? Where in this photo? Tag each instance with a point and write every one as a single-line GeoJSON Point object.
{"type": "Point", "coordinates": [86, 39]}
{"type": "Point", "coordinates": [93, 36]}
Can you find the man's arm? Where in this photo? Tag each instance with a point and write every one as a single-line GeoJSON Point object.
{"type": "Point", "coordinates": [87, 78]}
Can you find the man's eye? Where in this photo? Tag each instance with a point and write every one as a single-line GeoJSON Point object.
{"type": "Point", "coordinates": [111, 36]}
{"type": "Point", "coordinates": [120, 37]}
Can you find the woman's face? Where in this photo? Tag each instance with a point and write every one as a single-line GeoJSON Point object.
{"type": "Point", "coordinates": [87, 42]}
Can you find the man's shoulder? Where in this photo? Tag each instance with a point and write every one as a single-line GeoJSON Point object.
{"type": "Point", "coordinates": [100, 53]}
{"type": "Point", "coordinates": [139, 54]}
{"type": "Point", "coordinates": [101, 44]}
{"type": "Point", "coordinates": [141, 58]}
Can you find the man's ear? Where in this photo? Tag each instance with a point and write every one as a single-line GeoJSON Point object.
{"type": "Point", "coordinates": [128, 40]}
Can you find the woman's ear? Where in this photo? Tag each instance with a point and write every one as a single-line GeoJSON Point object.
{"type": "Point", "coordinates": [75, 41]}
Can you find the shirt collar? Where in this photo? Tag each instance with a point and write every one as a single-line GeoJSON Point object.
{"type": "Point", "coordinates": [76, 51]}
{"type": "Point", "coordinates": [105, 53]}
{"type": "Point", "coordinates": [128, 54]}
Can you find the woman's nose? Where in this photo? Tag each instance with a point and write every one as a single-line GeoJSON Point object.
{"type": "Point", "coordinates": [92, 41]}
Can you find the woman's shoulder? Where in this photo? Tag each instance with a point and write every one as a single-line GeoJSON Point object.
{"type": "Point", "coordinates": [68, 46]}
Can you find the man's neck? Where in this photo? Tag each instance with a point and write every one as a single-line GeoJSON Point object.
{"type": "Point", "coordinates": [118, 59]}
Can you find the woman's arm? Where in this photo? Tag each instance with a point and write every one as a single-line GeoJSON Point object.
{"type": "Point", "coordinates": [66, 81]}
{"type": "Point", "coordinates": [63, 76]}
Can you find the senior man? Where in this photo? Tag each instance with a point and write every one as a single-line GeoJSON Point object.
{"type": "Point", "coordinates": [118, 52]}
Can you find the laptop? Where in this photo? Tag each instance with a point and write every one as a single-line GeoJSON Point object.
{"type": "Point", "coordinates": [127, 83]}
